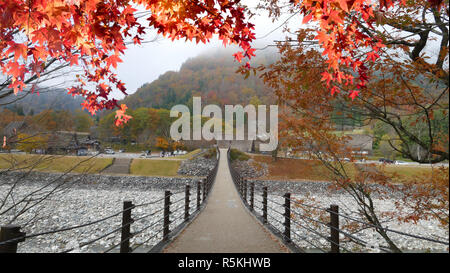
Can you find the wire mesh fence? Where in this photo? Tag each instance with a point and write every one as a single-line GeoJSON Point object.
{"type": "Point", "coordinates": [315, 228]}
{"type": "Point", "coordinates": [141, 227]}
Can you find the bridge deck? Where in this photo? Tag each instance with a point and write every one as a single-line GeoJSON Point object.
{"type": "Point", "coordinates": [225, 225]}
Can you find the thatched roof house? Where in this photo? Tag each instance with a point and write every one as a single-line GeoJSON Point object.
{"type": "Point", "coordinates": [70, 142]}
{"type": "Point", "coordinates": [13, 128]}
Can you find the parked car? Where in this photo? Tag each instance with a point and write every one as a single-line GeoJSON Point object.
{"type": "Point", "coordinates": [82, 152]}
{"type": "Point", "coordinates": [109, 151]}
{"type": "Point", "coordinates": [385, 160]}
{"type": "Point", "coordinates": [399, 162]}
{"type": "Point", "coordinates": [146, 154]}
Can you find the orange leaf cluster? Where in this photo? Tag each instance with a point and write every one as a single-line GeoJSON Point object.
{"type": "Point", "coordinates": [340, 37]}
{"type": "Point", "coordinates": [92, 33]}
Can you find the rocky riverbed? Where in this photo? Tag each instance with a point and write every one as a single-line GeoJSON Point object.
{"type": "Point", "coordinates": [313, 235]}
{"type": "Point", "coordinates": [198, 166]}
{"type": "Point", "coordinates": [247, 168]}
{"type": "Point", "coordinates": [74, 200]}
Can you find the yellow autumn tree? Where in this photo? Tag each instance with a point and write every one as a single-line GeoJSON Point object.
{"type": "Point", "coordinates": [162, 143]}
{"type": "Point", "coordinates": [28, 143]}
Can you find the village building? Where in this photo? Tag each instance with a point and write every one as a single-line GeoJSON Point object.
{"type": "Point", "coordinates": [71, 142]}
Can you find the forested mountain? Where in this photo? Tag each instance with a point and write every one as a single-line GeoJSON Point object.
{"type": "Point", "coordinates": [34, 103]}
{"type": "Point", "coordinates": [212, 76]}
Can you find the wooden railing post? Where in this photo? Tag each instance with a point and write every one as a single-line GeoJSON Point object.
{"type": "Point", "coordinates": [209, 183]}
{"type": "Point", "coordinates": [7, 233]}
{"type": "Point", "coordinates": [244, 191]}
{"type": "Point", "coordinates": [186, 202]}
{"type": "Point", "coordinates": [287, 216]}
{"type": "Point", "coordinates": [241, 191]}
{"type": "Point", "coordinates": [252, 195]}
{"type": "Point", "coordinates": [265, 204]}
{"type": "Point", "coordinates": [204, 190]}
{"type": "Point", "coordinates": [126, 226]}
{"type": "Point", "coordinates": [334, 228]}
{"type": "Point", "coordinates": [166, 229]}
{"type": "Point", "coordinates": [198, 194]}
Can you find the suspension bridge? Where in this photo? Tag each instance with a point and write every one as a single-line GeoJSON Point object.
{"type": "Point", "coordinates": [225, 213]}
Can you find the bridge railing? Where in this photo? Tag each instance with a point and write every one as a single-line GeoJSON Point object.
{"type": "Point", "coordinates": [280, 214]}
{"type": "Point", "coordinates": [170, 212]}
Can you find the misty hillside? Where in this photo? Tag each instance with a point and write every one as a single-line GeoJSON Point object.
{"type": "Point", "coordinates": [212, 76]}
{"type": "Point", "coordinates": [56, 99]}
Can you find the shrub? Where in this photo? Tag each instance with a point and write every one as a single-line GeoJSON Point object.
{"type": "Point", "coordinates": [211, 153]}
{"type": "Point", "coordinates": [238, 155]}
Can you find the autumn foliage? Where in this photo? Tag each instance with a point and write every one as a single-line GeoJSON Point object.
{"type": "Point", "coordinates": [93, 34]}
{"type": "Point", "coordinates": [379, 64]}
{"type": "Point", "coordinates": [162, 143]}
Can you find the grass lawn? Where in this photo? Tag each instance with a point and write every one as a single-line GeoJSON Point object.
{"type": "Point", "coordinates": [294, 169]}
{"type": "Point", "coordinates": [302, 169]}
{"type": "Point", "coordinates": [407, 171]}
{"type": "Point", "coordinates": [350, 132]}
{"type": "Point", "coordinates": [154, 167]}
{"type": "Point", "coordinates": [54, 163]}
{"type": "Point", "coordinates": [376, 158]}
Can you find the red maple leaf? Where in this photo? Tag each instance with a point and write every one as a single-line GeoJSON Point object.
{"type": "Point", "coordinates": [250, 52]}
{"type": "Point", "coordinates": [18, 50]}
{"type": "Point", "coordinates": [353, 94]}
{"type": "Point", "coordinates": [113, 60]}
{"type": "Point", "coordinates": [238, 56]}
{"type": "Point", "coordinates": [121, 117]}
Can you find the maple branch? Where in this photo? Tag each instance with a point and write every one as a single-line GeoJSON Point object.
{"type": "Point", "coordinates": [445, 39]}
{"type": "Point", "coordinates": [9, 92]}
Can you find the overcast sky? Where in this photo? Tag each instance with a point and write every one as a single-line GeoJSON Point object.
{"type": "Point", "coordinates": [145, 63]}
